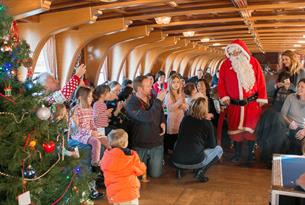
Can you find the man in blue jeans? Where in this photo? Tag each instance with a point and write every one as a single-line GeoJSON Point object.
{"type": "Point", "coordinates": [148, 125]}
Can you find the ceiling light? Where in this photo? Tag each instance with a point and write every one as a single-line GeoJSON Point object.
{"type": "Point", "coordinates": [204, 40]}
{"type": "Point", "coordinates": [301, 41]}
{"type": "Point", "coordinates": [100, 12]}
{"type": "Point", "coordinates": [163, 20]}
{"type": "Point", "coordinates": [297, 45]}
{"type": "Point", "coordinates": [188, 33]}
{"type": "Point", "coordinates": [303, 36]}
{"type": "Point", "coordinates": [173, 4]}
{"type": "Point", "coordinates": [216, 44]}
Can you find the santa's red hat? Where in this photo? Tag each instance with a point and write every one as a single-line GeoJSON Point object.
{"type": "Point", "coordinates": [238, 44]}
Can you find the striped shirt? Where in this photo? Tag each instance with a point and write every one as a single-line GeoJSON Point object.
{"type": "Point", "coordinates": [85, 124]}
{"type": "Point", "coordinates": [100, 114]}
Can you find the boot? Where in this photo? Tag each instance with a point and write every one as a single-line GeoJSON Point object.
{"type": "Point", "coordinates": [251, 156]}
{"type": "Point", "coordinates": [200, 174]}
{"type": "Point", "coordinates": [237, 155]}
{"type": "Point", "coordinates": [179, 173]}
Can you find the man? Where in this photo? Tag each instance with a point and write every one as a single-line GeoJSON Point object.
{"type": "Point", "coordinates": [148, 124]}
{"type": "Point", "coordinates": [51, 85]}
{"type": "Point", "coordinates": [242, 88]}
{"type": "Point", "coordinates": [195, 79]}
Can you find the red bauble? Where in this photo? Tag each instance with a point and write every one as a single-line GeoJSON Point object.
{"type": "Point", "coordinates": [49, 147]}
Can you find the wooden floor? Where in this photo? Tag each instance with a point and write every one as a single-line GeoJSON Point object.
{"type": "Point", "coordinates": [227, 185]}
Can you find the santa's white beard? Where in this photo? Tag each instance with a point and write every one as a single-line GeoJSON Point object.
{"type": "Point", "coordinates": [243, 68]}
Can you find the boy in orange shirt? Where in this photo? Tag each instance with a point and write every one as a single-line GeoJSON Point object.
{"type": "Point", "coordinates": [121, 166]}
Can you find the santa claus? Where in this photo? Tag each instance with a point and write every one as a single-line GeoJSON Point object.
{"type": "Point", "coordinates": [242, 88]}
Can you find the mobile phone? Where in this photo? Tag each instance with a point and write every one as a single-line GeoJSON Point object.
{"type": "Point", "coordinates": [162, 86]}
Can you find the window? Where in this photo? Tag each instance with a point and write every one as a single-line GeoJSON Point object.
{"type": "Point", "coordinates": [40, 66]}
{"type": "Point", "coordinates": [103, 75]}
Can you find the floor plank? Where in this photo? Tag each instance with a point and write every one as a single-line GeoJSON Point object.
{"type": "Point", "coordinates": [227, 185]}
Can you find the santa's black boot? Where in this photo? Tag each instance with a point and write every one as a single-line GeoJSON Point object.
{"type": "Point", "coordinates": [237, 154]}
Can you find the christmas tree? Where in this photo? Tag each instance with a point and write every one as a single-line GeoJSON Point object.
{"type": "Point", "coordinates": [32, 136]}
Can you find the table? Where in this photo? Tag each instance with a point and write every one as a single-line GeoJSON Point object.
{"type": "Point", "coordinates": [285, 170]}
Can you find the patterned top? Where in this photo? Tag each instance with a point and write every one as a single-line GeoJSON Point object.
{"type": "Point", "coordinates": [85, 124]}
{"type": "Point", "coordinates": [100, 114]}
{"type": "Point", "coordinates": [66, 92]}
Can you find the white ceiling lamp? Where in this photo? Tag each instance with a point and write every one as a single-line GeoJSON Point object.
{"type": "Point", "coordinates": [163, 20]}
{"type": "Point", "coordinates": [303, 36]}
{"type": "Point", "coordinates": [188, 33]}
{"type": "Point", "coordinates": [301, 41]}
{"type": "Point", "coordinates": [297, 45]}
{"type": "Point", "coordinates": [216, 44]}
{"type": "Point", "coordinates": [205, 40]}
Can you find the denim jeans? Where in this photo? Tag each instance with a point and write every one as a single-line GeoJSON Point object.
{"type": "Point", "coordinates": [210, 154]}
{"type": "Point", "coordinates": [85, 152]}
{"type": "Point", "coordinates": [295, 144]}
{"type": "Point", "coordinates": [153, 158]}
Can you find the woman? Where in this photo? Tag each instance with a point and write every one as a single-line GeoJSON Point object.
{"type": "Point", "coordinates": [196, 144]}
{"type": "Point", "coordinates": [292, 64]}
{"type": "Point", "coordinates": [293, 112]}
{"type": "Point", "coordinates": [176, 106]}
{"type": "Point", "coordinates": [160, 83]}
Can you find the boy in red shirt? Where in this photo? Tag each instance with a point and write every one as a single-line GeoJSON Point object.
{"type": "Point", "coordinates": [121, 167]}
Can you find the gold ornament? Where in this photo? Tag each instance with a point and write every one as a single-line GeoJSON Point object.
{"type": "Point", "coordinates": [32, 144]}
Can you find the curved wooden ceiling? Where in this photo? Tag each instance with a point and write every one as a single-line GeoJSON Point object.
{"type": "Point", "coordinates": [265, 25]}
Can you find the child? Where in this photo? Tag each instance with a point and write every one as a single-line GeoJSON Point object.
{"type": "Point", "coordinates": [121, 166]}
{"type": "Point", "coordinates": [176, 106]}
{"type": "Point", "coordinates": [100, 112]}
{"type": "Point", "coordinates": [61, 114]}
{"type": "Point", "coordinates": [86, 131]}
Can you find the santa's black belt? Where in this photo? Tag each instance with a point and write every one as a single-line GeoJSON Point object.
{"type": "Point", "coordinates": [244, 101]}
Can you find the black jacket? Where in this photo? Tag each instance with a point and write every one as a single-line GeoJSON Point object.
{"type": "Point", "coordinates": [145, 122]}
{"type": "Point", "coordinates": [194, 137]}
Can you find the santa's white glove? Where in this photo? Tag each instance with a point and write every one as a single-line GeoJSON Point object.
{"type": "Point", "coordinates": [293, 125]}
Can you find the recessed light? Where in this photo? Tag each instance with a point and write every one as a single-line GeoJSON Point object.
{"type": "Point", "coordinates": [163, 20]}
{"type": "Point", "coordinates": [204, 40]}
{"type": "Point", "coordinates": [188, 33]}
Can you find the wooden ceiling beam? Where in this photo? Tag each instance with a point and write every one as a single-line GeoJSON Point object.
{"type": "Point", "coordinates": [300, 34]}
{"type": "Point", "coordinates": [236, 19]}
{"type": "Point", "coordinates": [211, 28]}
{"type": "Point", "coordinates": [219, 10]}
{"type": "Point", "coordinates": [128, 4]}
{"type": "Point", "coordinates": [286, 24]}
{"type": "Point", "coordinates": [282, 30]}
{"type": "Point", "coordinates": [221, 36]}
{"type": "Point", "coordinates": [26, 8]}
{"type": "Point", "coordinates": [202, 21]}
{"type": "Point", "coordinates": [217, 33]}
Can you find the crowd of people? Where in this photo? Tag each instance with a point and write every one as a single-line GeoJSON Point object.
{"type": "Point", "coordinates": [130, 127]}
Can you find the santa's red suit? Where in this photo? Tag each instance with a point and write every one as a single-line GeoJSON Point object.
{"type": "Point", "coordinates": [242, 117]}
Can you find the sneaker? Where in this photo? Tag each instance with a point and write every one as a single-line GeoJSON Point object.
{"type": "Point", "coordinates": [94, 195]}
